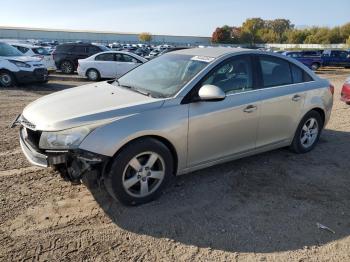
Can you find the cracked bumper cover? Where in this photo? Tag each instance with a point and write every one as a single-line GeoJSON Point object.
{"type": "Point", "coordinates": [53, 157]}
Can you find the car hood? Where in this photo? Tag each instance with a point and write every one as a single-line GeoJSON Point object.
{"type": "Point", "coordinates": [22, 58]}
{"type": "Point", "coordinates": [87, 104]}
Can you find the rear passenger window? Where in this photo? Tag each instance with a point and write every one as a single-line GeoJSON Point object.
{"type": "Point", "coordinates": [297, 74]}
{"type": "Point", "coordinates": [105, 57]}
{"type": "Point", "coordinates": [79, 49]}
{"type": "Point", "coordinates": [275, 71]}
{"type": "Point", "coordinates": [94, 49]}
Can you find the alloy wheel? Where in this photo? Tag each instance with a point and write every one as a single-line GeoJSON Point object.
{"type": "Point", "coordinates": [309, 133]}
{"type": "Point", "coordinates": [143, 174]}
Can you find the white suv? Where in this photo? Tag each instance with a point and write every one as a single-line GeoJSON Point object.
{"type": "Point", "coordinates": [37, 51]}
{"type": "Point", "coordinates": [17, 68]}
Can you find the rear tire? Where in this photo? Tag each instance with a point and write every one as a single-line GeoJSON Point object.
{"type": "Point", "coordinates": [140, 171]}
{"type": "Point", "coordinates": [67, 67]}
{"type": "Point", "coordinates": [308, 133]}
{"type": "Point", "coordinates": [93, 75]}
{"type": "Point", "coordinates": [315, 66]}
{"type": "Point", "coordinates": [7, 79]}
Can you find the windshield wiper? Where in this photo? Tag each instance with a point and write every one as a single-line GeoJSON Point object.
{"type": "Point", "coordinates": [135, 89]}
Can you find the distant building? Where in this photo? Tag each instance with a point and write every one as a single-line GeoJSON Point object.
{"type": "Point", "coordinates": [42, 34]}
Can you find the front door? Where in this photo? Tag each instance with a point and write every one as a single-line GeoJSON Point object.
{"type": "Point", "coordinates": [219, 129]}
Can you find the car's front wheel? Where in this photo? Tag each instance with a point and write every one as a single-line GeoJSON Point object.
{"type": "Point", "coordinates": [140, 171]}
{"type": "Point", "coordinates": [315, 66]}
{"type": "Point", "coordinates": [6, 79]}
{"type": "Point", "coordinates": [308, 132]}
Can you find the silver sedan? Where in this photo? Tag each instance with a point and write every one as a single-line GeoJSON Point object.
{"type": "Point", "coordinates": [180, 112]}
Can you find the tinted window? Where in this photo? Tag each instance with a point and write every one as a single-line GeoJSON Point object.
{"type": "Point", "coordinates": [128, 58]}
{"type": "Point", "coordinates": [94, 49]}
{"type": "Point", "coordinates": [40, 51]}
{"type": "Point", "coordinates": [63, 48]}
{"type": "Point", "coordinates": [343, 54]}
{"type": "Point", "coordinates": [232, 76]}
{"type": "Point", "coordinates": [7, 50]}
{"type": "Point", "coordinates": [297, 73]}
{"type": "Point", "coordinates": [22, 49]}
{"type": "Point", "coordinates": [105, 57]}
{"type": "Point", "coordinates": [79, 49]}
{"type": "Point", "coordinates": [275, 71]}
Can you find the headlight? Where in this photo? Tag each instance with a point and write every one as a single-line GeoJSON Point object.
{"type": "Point", "coordinates": [19, 63]}
{"type": "Point", "coordinates": [66, 139]}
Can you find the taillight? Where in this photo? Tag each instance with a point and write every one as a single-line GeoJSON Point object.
{"type": "Point", "coordinates": [331, 88]}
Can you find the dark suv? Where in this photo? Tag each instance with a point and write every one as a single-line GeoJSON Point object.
{"type": "Point", "coordinates": [66, 55]}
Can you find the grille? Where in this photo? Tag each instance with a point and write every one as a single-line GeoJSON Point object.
{"type": "Point", "coordinates": [32, 137]}
{"type": "Point", "coordinates": [26, 123]}
{"type": "Point", "coordinates": [40, 72]}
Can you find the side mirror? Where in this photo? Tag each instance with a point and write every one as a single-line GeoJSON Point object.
{"type": "Point", "coordinates": [211, 93]}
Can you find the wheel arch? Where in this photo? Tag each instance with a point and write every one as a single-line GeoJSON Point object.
{"type": "Point", "coordinates": [92, 68]}
{"type": "Point", "coordinates": [161, 139]}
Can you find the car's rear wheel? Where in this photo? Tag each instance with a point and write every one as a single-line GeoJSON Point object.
{"type": "Point", "coordinates": [6, 79]}
{"type": "Point", "coordinates": [308, 133]}
{"type": "Point", "coordinates": [93, 75]}
{"type": "Point", "coordinates": [67, 67]}
{"type": "Point", "coordinates": [315, 66]}
{"type": "Point", "coordinates": [140, 171]}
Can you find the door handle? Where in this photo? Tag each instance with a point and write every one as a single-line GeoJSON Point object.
{"type": "Point", "coordinates": [250, 109]}
{"type": "Point", "coordinates": [296, 98]}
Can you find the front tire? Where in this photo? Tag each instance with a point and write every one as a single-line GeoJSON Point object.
{"type": "Point", "coordinates": [140, 171]}
{"type": "Point", "coordinates": [315, 66]}
{"type": "Point", "coordinates": [308, 133]}
{"type": "Point", "coordinates": [6, 79]}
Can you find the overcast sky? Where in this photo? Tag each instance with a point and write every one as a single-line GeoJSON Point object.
{"type": "Point", "coordinates": [176, 17]}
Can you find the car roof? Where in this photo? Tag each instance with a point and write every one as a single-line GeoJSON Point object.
{"type": "Point", "coordinates": [214, 52]}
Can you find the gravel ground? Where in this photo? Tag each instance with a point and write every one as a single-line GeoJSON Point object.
{"type": "Point", "coordinates": [260, 208]}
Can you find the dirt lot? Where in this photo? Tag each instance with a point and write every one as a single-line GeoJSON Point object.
{"type": "Point", "coordinates": [260, 208]}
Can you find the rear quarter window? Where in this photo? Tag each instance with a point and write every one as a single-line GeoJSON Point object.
{"type": "Point", "coordinates": [275, 71]}
{"type": "Point", "coordinates": [299, 75]}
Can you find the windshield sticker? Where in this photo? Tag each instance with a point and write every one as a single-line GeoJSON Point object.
{"type": "Point", "coordinates": [203, 58]}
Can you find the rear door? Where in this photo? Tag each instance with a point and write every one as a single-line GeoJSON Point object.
{"type": "Point", "coordinates": [282, 94]}
{"type": "Point", "coordinates": [78, 52]}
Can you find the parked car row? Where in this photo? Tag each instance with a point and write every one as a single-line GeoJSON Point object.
{"type": "Point", "coordinates": [314, 59]}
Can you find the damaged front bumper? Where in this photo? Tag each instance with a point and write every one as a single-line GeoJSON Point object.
{"type": "Point", "coordinates": [75, 162]}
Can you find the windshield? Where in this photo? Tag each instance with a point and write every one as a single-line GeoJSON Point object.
{"type": "Point", "coordinates": [7, 50]}
{"type": "Point", "coordinates": [163, 76]}
{"type": "Point", "coordinates": [41, 51]}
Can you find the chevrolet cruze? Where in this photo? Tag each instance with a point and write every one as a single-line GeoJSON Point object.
{"type": "Point", "coordinates": [180, 112]}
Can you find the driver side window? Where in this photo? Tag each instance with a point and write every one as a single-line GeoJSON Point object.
{"type": "Point", "coordinates": [233, 76]}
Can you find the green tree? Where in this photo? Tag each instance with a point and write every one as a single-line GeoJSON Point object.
{"type": "Point", "coordinates": [252, 26]}
{"type": "Point", "coordinates": [145, 37]}
{"type": "Point", "coordinates": [279, 27]}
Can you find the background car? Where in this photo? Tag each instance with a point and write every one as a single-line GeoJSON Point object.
{"type": "Point", "coordinates": [338, 58]}
{"type": "Point", "coordinates": [345, 92]}
{"type": "Point", "coordinates": [37, 51]}
{"type": "Point", "coordinates": [110, 64]}
{"type": "Point", "coordinates": [17, 68]}
{"type": "Point", "coordinates": [66, 55]}
{"type": "Point", "coordinates": [312, 59]}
